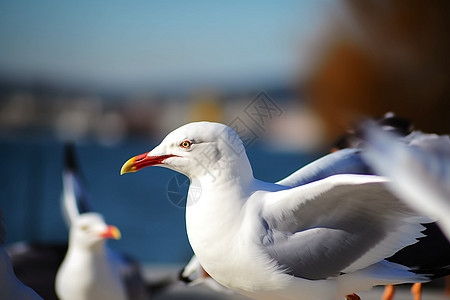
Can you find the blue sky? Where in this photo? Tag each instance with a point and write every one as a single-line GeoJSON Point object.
{"type": "Point", "coordinates": [122, 42]}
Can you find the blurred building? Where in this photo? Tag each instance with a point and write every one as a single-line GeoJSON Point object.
{"type": "Point", "coordinates": [380, 56]}
{"type": "Point", "coordinates": [58, 113]}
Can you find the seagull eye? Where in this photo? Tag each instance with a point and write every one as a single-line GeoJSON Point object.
{"type": "Point", "coordinates": [185, 144]}
{"type": "Point", "coordinates": [84, 227]}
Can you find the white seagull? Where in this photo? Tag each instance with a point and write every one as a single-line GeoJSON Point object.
{"type": "Point", "coordinates": [10, 286]}
{"type": "Point", "coordinates": [77, 205]}
{"type": "Point", "coordinates": [321, 240]}
{"type": "Point", "coordinates": [90, 270]}
{"type": "Point", "coordinates": [87, 271]}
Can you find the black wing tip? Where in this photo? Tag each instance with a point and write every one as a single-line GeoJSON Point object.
{"type": "Point", "coordinates": [70, 157]}
{"type": "Point", "coordinates": [429, 257]}
{"type": "Point", "coordinates": [356, 135]}
{"type": "Point", "coordinates": [433, 273]}
{"type": "Point", "coordinates": [183, 278]}
{"type": "Point", "coordinates": [398, 125]}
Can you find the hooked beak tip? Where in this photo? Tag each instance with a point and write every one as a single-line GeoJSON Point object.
{"type": "Point", "coordinates": [129, 166]}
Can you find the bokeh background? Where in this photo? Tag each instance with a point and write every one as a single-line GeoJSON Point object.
{"type": "Point", "coordinates": [116, 76]}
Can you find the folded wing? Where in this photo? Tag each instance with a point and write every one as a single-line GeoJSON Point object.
{"type": "Point", "coordinates": [337, 225]}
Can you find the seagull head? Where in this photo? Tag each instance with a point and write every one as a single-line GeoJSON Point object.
{"type": "Point", "coordinates": [89, 229]}
{"type": "Point", "coordinates": [195, 150]}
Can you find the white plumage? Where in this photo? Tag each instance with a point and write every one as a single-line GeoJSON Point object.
{"type": "Point", "coordinates": [321, 240]}
{"type": "Point", "coordinates": [88, 270]}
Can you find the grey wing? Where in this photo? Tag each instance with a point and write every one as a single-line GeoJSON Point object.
{"type": "Point", "coordinates": [337, 225]}
{"type": "Point", "coordinates": [346, 161]}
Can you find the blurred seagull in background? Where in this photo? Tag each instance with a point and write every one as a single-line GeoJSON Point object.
{"type": "Point", "coordinates": [10, 286]}
{"type": "Point", "coordinates": [419, 174]}
{"type": "Point", "coordinates": [90, 269]}
{"type": "Point", "coordinates": [303, 238]}
{"type": "Point", "coordinates": [88, 272]}
{"type": "Point", "coordinates": [402, 135]}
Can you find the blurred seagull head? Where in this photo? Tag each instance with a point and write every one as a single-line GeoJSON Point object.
{"type": "Point", "coordinates": [90, 230]}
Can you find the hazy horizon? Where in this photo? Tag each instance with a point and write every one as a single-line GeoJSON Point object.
{"type": "Point", "coordinates": [116, 44]}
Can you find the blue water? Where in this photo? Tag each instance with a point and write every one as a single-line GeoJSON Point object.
{"type": "Point", "coordinates": [152, 227]}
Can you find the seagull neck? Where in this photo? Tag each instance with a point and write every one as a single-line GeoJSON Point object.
{"type": "Point", "coordinates": [93, 248]}
{"type": "Point", "coordinates": [229, 177]}
{"type": "Point", "coordinates": [218, 186]}
{"type": "Point", "coordinates": [235, 177]}
{"type": "Point", "coordinates": [234, 167]}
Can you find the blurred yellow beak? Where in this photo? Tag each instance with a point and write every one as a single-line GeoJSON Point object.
{"type": "Point", "coordinates": [112, 232]}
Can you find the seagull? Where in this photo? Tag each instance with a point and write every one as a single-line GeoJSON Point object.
{"type": "Point", "coordinates": [10, 286]}
{"type": "Point", "coordinates": [90, 269]}
{"type": "Point", "coordinates": [420, 175]}
{"type": "Point", "coordinates": [87, 271]}
{"type": "Point", "coordinates": [321, 240]}
{"type": "Point", "coordinates": [36, 263]}
{"type": "Point", "coordinates": [346, 158]}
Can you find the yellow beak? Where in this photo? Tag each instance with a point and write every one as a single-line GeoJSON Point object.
{"type": "Point", "coordinates": [112, 232]}
{"type": "Point", "coordinates": [129, 166]}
